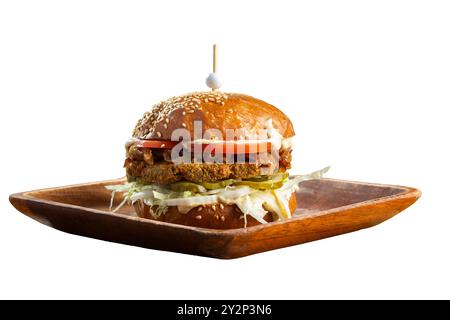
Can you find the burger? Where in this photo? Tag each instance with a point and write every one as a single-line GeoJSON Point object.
{"type": "Point", "coordinates": [212, 160]}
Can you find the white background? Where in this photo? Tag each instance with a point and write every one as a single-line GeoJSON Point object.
{"type": "Point", "coordinates": [366, 84]}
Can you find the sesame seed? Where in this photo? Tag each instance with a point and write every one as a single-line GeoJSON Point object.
{"type": "Point", "coordinates": [184, 113]}
{"type": "Point", "coordinates": [191, 111]}
{"type": "Point", "coordinates": [213, 207]}
{"type": "Point", "coordinates": [216, 216]}
{"type": "Point", "coordinates": [165, 125]}
{"type": "Point", "coordinates": [222, 218]}
{"type": "Point", "coordinates": [221, 206]}
{"type": "Point", "coordinates": [200, 209]}
{"type": "Point", "coordinates": [163, 145]}
{"type": "Point", "coordinates": [158, 134]}
{"type": "Point", "coordinates": [198, 217]}
{"type": "Point", "coordinates": [184, 125]}
{"type": "Point", "coordinates": [160, 112]}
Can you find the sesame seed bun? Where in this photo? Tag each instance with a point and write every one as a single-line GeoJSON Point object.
{"type": "Point", "coordinates": [216, 110]}
{"type": "Point", "coordinates": [218, 216]}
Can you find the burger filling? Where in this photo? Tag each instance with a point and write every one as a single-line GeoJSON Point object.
{"type": "Point", "coordinates": [147, 165]}
{"type": "Point", "coordinates": [255, 187]}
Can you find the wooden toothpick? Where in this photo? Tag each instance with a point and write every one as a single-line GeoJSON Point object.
{"type": "Point", "coordinates": [214, 81]}
{"type": "Point", "coordinates": [214, 60]}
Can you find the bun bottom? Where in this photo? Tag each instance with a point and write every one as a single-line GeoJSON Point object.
{"type": "Point", "coordinates": [208, 216]}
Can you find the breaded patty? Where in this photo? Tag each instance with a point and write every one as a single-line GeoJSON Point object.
{"type": "Point", "coordinates": [154, 166]}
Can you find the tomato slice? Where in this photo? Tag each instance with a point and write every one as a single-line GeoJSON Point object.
{"type": "Point", "coordinates": [156, 144]}
{"type": "Point", "coordinates": [239, 148]}
{"type": "Point", "coordinates": [219, 147]}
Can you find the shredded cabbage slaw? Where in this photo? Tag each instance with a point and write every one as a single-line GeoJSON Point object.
{"type": "Point", "coordinates": [251, 201]}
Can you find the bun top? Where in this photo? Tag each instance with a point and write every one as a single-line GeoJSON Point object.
{"type": "Point", "coordinates": [216, 110]}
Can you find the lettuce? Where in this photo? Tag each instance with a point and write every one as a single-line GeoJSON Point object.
{"type": "Point", "coordinates": [253, 202]}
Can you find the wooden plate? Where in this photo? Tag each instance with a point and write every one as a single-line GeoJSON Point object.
{"type": "Point", "coordinates": [326, 208]}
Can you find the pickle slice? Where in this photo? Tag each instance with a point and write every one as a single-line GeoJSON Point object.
{"type": "Point", "coordinates": [260, 178]}
{"type": "Point", "coordinates": [261, 185]}
{"type": "Point", "coordinates": [218, 184]}
{"type": "Point", "coordinates": [183, 186]}
{"type": "Point", "coordinates": [277, 176]}
{"type": "Point", "coordinates": [276, 181]}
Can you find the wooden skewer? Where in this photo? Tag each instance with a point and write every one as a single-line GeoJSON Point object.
{"type": "Point", "coordinates": [214, 60]}
{"type": "Point", "coordinates": [214, 57]}
{"type": "Point", "coordinates": [213, 80]}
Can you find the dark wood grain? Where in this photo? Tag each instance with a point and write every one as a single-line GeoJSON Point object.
{"type": "Point", "coordinates": [326, 208]}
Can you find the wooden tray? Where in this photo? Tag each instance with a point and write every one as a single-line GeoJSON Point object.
{"type": "Point", "coordinates": [326, 208]}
